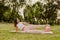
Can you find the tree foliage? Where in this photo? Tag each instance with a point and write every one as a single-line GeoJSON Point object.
{"type": "Point", "coordinates": [50, 12]}
{"type": "Point", "coordinates": [44, 14]}
{"type": "Point", "coordinates": [35, 11]}
{"type": "Point", "coordinates": [3, 9]}
{"type": "Point", "coordinates": [38, 13]}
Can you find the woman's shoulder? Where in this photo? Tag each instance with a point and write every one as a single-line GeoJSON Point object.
{"type": "Point", "coordinates": [20, 23]}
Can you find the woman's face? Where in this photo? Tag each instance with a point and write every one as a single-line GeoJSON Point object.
{"type": "Point", "coordinates": [18, 20]}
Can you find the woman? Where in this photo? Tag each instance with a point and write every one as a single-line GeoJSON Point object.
{"type": "Point", "coordinates": [27, 28]}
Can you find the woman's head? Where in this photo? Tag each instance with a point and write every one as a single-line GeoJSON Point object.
{"type": "Point", "coordinates": [16, 21]}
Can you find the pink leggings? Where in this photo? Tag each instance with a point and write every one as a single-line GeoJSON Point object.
{"type": "Point", "coordinates": [31, 27]}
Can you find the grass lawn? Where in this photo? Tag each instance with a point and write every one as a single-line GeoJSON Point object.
{"type": "Point", "coordinates": [6, 35]}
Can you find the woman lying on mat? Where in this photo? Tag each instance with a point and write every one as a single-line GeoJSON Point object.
{"type": "Point", "coordinates": [30, 28]}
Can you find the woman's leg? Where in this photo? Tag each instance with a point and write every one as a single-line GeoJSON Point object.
{"type": "Point", "coordinates": [36, 26]}
{"type": "Point", "coordinates": [34, 31]}
{"type": "Point", "coordinates": [28, 29]}
{"type": "Point", "coordinates": [31, 27]}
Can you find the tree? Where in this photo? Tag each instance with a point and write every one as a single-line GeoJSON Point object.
{"type": "Point", "coordinates": [12, 7]}
{"type": "Point", "coordinates": [3, 9]}
{"type": "Point", "coordinates": [51, 12]}
{"type": "Point", "coordinates": [35, 11]}
{"type": "Point", "coordinates": [38, 11]}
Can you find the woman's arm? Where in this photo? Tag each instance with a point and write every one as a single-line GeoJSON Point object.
{"type": "Point", "coordinates": [16, 29]}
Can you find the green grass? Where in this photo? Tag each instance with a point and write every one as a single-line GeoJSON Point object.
{"type": "Point", "coordinates": [6, 35]}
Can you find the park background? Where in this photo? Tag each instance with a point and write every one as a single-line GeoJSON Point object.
{"type": "Point", "coordinates": [33, 12]}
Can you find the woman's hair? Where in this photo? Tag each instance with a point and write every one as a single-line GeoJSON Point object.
{"type": "Point", "coordinates": [15, 22]}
